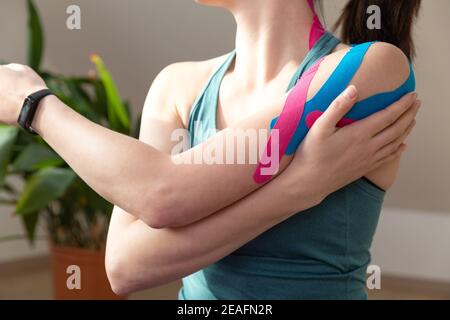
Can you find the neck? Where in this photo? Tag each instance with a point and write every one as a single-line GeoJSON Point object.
{"type": "Point", "coordinates": [270, 38]}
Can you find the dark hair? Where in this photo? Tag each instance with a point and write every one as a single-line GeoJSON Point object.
{"type": "Point", "coordinates": [397, 19]}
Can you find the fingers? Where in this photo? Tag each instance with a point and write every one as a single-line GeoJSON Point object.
{"type": "Point", "coordinates": [397, 130]}
{"type": "Point", "coordinates": [392, 157]}
{"type": "Point", "coordinates": [385, 118]}
{"type": "Point", "coordinates": [392, 148]}
{"type": "Point", "coordinates": [337, 110]}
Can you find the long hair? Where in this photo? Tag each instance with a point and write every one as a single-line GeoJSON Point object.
{"type": "Point", "coordinates": [397, 20]}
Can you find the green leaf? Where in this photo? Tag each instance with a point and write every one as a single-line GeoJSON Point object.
{"type": "Point", "coordinates": [101, 103]}
{"type": "Point", "coordinates": [78, 93]}
{"type": "Point", "coordinates": [30, 222]}
{"type": "Point", "coordinates": [9, 189]}
{"type": "Point", "coordinates": [137, 127]}
{"type": "Point", "coordinates": [44, 187]}
{"type": "Point", "coordinates": [36, 156]}
{"type": "Point", "coordinates": [56, 85]}
{"type": "Point", "coordinates": [97, 202]}
{"type": "Point", "coordinates": [35, 37]}
{"type": "Point", "coordinates": [117, 112]}
{"type": "Point", "coordinates": [80, 100]}
{"type": "Point", "coordinates": [8, 136]}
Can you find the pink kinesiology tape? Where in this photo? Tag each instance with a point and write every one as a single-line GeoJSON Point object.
{"type": "Point", "coordinates": [317, 29]}
{"type": "Point", "coordinates": [285, 126]}
{"type": "Point", "coordinates": [291, 115]}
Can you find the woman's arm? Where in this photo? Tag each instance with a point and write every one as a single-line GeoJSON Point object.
{"type": "Point", "coordinates": [160, 189]}
{"type": "Point", "coordinates": [140, 257]}
{"type": "Point", "coordinates": [134, 175]}
{"type": "Point", "coordinates": [129, 173]}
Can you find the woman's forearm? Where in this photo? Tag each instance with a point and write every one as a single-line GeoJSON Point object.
{"type": "Point", "coordinates": [125, 171]}
{"type": "Point", "coordinates": [140, 179]}
{"type": "Point", "coordinates": [140, 257]}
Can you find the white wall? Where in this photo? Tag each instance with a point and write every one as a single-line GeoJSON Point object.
{"type": "Point", "coordinates": [17, 249]}
{"type": "Point", "coordinates": [137, 38]}
{"type": "Point", "coordinates": [413, 244]}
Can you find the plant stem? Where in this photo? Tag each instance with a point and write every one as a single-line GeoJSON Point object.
{"type": "Point", "coordinates": [9, 189]}
{"type": "Point", "coordinates": [7, 202]}
{"type": "Point", "coordinates": [18, 237]}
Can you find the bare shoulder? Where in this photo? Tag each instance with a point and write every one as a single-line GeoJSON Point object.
{"type": "Point", "coordinates": [384, 68]}
{"type": "Point", "coordinates": [176, 87]}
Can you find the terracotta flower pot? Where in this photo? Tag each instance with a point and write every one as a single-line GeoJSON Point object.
{"type": "Point", "coordinates": [79, 274]}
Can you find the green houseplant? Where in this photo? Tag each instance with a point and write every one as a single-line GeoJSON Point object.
{"type": "Point", "coordinates": [75, 216]}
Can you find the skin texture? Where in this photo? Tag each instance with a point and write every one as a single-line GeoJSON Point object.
{"type": "Point", "coordinates": [190, 227]}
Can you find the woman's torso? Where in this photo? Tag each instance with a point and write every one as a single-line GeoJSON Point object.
{"type": "Point", "coordinates": [321, 253]}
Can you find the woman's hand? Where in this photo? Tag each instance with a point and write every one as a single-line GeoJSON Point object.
{"type": "Point", "coordinates": [16, 83]}
{"type": "Point", "coordinates": [336, 157]}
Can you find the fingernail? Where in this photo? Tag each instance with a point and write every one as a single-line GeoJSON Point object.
{"type": "Point", "coordinates": [350, 92]}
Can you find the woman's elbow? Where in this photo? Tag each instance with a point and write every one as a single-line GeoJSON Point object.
{"type": "Point", "coordinates": [158, 207]}
{"type": "Point", "coordinates": [157, 217]}
{"type": "Point", "coordinates": [126, 277]}
{"type": "Point", "coordinates": [118, 276]}
{"type": "Point", "coordinates": [123, 280]}
{"type": "Point", "coordinates": [165, 212]}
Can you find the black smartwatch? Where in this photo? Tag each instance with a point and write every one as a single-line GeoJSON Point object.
{"type": "Point", "coordinates": [29, 108]}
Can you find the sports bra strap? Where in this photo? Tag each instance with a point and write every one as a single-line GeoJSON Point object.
{"type": "Point", "coordinates": [317, 28]}
{"type": "Point", "coordinates": [322, 48]}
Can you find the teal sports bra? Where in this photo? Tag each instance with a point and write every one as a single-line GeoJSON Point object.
{"type": "Point", "coordinates": [320, 253]}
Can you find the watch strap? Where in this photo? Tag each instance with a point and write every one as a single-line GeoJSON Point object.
{"type": "Point", "coordinates": [29, 108]}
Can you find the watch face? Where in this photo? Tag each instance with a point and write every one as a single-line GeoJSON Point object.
{"type": "Point", "coordinates": [26, 114]}
{"type": "Point", "coordinates": [30, 99]}
{"type": "Point", "coordinates": [29, 109]}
